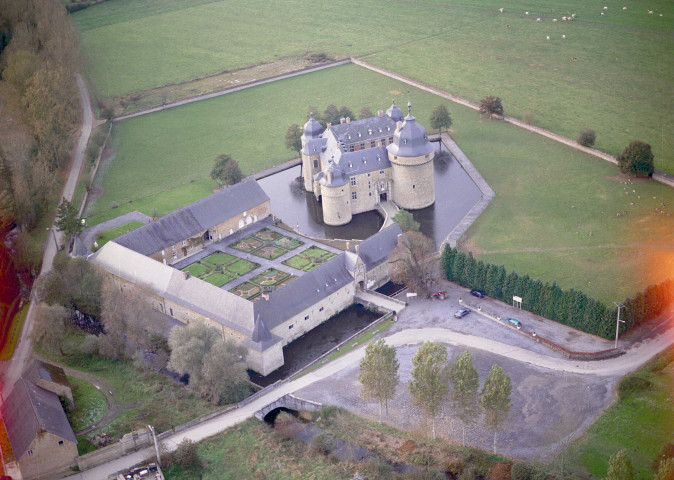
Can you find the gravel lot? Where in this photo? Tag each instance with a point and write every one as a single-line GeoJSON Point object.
{"type": "Point", "coordinates": [550, 408]}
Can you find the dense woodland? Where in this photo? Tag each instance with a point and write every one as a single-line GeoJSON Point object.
{"type": "Point", "coordinates": [39, 55]}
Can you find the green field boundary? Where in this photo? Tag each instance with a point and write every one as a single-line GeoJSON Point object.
{"type": "Point", "coordinates": [13, 333]}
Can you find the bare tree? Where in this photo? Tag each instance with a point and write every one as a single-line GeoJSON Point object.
{"type": "Point", "coordinates": [413, 262]}
{"type": "Point", "coordinates": [50, 327]}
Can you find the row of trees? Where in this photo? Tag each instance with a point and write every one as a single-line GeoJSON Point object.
{"type": "Point", "coordinates": [432, 375]}
{"type": "Point", "coordinates": [569, 307]}
{"type": "Point", "coordinates": [39, 92]}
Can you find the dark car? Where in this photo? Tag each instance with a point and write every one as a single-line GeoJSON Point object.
{"type": "Point", "coordinates": [477, 293]}
{"type": "Point", "coordinates": [462, 313]}
{"type": "Point", "coordinates": [514, 322]}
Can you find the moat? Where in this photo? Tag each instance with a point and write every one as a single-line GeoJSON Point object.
{"type": "Point", "coordinates": [455, 194]}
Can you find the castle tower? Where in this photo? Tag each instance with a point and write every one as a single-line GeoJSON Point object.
{"type": "Point", "coordinates": [335, 194]}
{"type": "Point", "coordinates": [311, 152]}
{"type": "Point", "coordinates": [411, 156]}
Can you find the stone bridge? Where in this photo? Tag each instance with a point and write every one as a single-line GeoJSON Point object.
{"type": "Point", "coordinates": [372, 298]}
{"type": "Point", "coordinates": [291, 402]}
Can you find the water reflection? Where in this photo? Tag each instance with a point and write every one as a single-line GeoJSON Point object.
{"type": "Point", "coordinates": [455, 194]}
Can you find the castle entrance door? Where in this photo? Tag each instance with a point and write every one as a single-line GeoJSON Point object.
{"type": "Point", "coordinates": [382, 197]}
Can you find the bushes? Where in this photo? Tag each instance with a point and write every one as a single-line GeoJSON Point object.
{"type": "Point", "coordinates": [587, 137]}
{"type": "Point", "coordinates": [569, 307]}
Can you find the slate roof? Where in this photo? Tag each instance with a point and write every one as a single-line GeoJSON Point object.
{"type": "Point", "coordinates": [30, 409]}
{"type": "Point", "coordinates": [375, 250]}
{"type": "Point", "coordinates": [38, 370]}
{"type": "Point", "coordinates": [312, 129]}
{"type": "Point", "coordinates": [411, 140]}
{"type": "Point", "coordinates": [315, 146]}
{"type": "Point", "coordinates": [365, 130]}
{"type": "Point", "coordinates": [195, 218]}
{"type": "Point", "coordinates": [304, 292]}
{"type": "Point", "coordinates": [202, 297]}
{"type": "Point", "coordinates": [349, 164]}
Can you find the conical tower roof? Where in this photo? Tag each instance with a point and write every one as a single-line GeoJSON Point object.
{"type": "Point", "coordinates": [394, 112]}
{"type": "Point", "coordinates": [411, 140]}
{"type": "Point", "coordinates": [260, 331]}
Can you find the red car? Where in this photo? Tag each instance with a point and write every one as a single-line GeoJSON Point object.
{"type": "Point", "coordinates": [438, 296]}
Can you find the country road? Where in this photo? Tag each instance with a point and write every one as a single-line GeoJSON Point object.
{"type": "Point", "coordinates": [22, 352]}
{"type": "Point", "coordinates": [634, 357]}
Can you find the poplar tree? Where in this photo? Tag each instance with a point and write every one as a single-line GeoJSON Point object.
{"type": "Point", "coordinates": [429, 383]}
{"type": "Point", "coordinates": [465, 381]}
{"type": "Point", "coordinates": [495, 398]}
{"type": "Point", "coordinates": [379, 373]}
{"type": "Point", "coordinates": [620, 467]}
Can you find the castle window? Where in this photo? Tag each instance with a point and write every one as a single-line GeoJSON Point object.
{"type": "Point", "coordinates": [369, 174]}
{"type": "Point", "coordinates": [29, 452]}
{"type": "Point", "coordinates": [173, 248]}
{"type": "Point", "coordinates": [354, 195]}
{"type": "Point", "coordinates": [315, 163]}
{"type": "Point", "coordinates": [290, 327]}
{"type": "Point", "coordinates": [60, 443]}
{"type": "Point", "coordinates": [163, 252]}
{"type": "Point", "coordinates": [351, 148]}
{"type": "Point", "coordinates": [320, 309]}
{"type": "Point", "coordinates": [372, 143]}
{"type": "Point", "coordinates": [175, 255]}
{"type": "Point", "coordinates": [370, 193]}
{"type": "Point", "coordinates": [353, 181]}
{"type": "Point", "coordinates": [383, 142]}
{"type": "Point", "coordinates": [171, 311]}
{"type": "Point", "coordinates": [381, 172]}
{"type": "Point", "coordinates": [413, 186]}
{"type": "Point", "coordinates": [362, 146]}
{"type": "Point", "coordinates": [390, 139]}
{"type": "Point", "coordinates": [184, 242]}
{"type": "Point", "coordinates": [307, 317]}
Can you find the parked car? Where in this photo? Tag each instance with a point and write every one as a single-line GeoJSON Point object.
{"type": "Point", "coordinates": [477, 293]}
{"type": "Point", "coordinates": [514, 322]}
{"type": "Point", "coordinates": [438, 295]}
{"type": "Point", "coordinates": [462, 313]}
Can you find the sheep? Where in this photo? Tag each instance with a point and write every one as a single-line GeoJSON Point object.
{"type": "Point", "coordinates": [650, 12]}
{"type": "Point", "coordinates": [573, 15]}
{"type": "Point", "coordinates": [526, 13]}
{"type": "Point", "coordinates": [554, 20]}
{"type": "Point", "coordinates": [563, 36]}
{"type": "Point", "coordinates": [624, 8]}
{"type": "Point", "coordinates": [500, 9]}
{"type": "Point", "coordinates": [563, 19]}
{"type": "Point", "coordinates": [602, 14]}
{"type": "Point", "coordinates": [605, 8]}
{"type": "Point", "coordinates": [538, 19]}
{"type": "Point", "coordinates": [548, 37]}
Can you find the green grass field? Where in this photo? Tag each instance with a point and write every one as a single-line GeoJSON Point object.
{"type": "Point", "coordinates": [104, 237]}
{"type": "Point", "coordinates": [546, 192]}
{"type": "Point", "coordinates": [641, 423]}
{"type": "Point", "coordinates": [619, 84]}
{"type": "Point", "coordinates": [219, 279]}
{"type": "Point", "coordinates": [219, 258]}
{"type": "Point", "coordinates": [90, 404]}
{"type": "Point", "coordinates": [196, 269]}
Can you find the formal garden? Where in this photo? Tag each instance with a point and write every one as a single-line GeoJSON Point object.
{"type": "Point", "coordinates": [220, 268]}
{"type": "Point", "coordinates": [309, 259]}
{"type": "Point", "coordinates": [267, 243]}
{"type": "Point", "coordinates": [267, 281]}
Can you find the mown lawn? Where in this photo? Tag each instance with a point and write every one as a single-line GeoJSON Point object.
{"type": "Point", "coordinates": [640, 422]}
{"type": "Point", "coordinates": [612, 73]}
{"type": "Point", "coordinates": [554, 216]}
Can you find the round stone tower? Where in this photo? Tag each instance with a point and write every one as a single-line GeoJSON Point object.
{"type": "Point", "coordinates": [411, 156]}
{"type": "Point", "coordinates": [335, 194]}
{"type": "Point", "coordinates": [311, 161]}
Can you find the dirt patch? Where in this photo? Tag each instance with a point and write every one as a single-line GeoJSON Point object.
{"type": "Point", "coordinates": [136, 101]}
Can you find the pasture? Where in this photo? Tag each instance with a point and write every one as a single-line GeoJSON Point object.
{"type": "Point", "coordinates": [554, 216]}
{"type": "Point", "coordinates": [612, 73]}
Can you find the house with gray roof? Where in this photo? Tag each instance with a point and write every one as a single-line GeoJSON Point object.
{"type": "Point", "coordinates": [40, 436]}
{"type": "Point", "coordinates": [50, 377]}
{"type": "Point", "coordinates": [188, 230]}
{"type": "Point", "coordinates": [353, 166]}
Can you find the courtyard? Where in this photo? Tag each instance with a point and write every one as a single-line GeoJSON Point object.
{"type": "Point", "coordinates": [257, 259]}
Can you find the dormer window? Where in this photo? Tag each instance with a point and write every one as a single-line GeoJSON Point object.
{"type": "Point", "coordinates": [359, 135]}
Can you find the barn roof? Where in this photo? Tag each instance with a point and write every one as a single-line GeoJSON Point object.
{"type": "Point", "coordinates": [375, 250]}
{"type": "Point", "coordinates": [30, 409]}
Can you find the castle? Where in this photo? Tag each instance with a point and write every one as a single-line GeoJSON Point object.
{"type": "Point", "coordinates": [353, 166]}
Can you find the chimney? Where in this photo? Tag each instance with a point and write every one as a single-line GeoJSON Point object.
{"type": "Point", "coordinates": [356, 249]}
{"type": "Point", "coordinates": [342, 120]}
{"type": "Point", "coordinates": [380, 113]}
{"type": "Point", "coordinates": [399, 126]}
{"type": "Point", "coordinates": [348, 120]}
{"type": "Point", "coordinates": [329, 176]}
{"type": "Point", "coordinates": [265, 295]}
{"type": "Point", "coordinates": [329, 125]}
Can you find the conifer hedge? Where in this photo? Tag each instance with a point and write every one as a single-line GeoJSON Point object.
{"type": "Point", "coordinates": [569, 307]}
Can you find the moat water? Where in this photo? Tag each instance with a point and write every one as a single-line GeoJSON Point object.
{"type": "Point", "coordinates": [318, 341]}
{"type": "Point", "coordinates": [455, 194]}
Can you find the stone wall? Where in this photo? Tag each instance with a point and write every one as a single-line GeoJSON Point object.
{"type": "Point", "coordinates": [413, 181]}
{"type": "Point", "coordinates": [367, 188]}
{"type": "Point", "coordinates": [45, 455]}
{"type": "Point", "coordinates": [265, 361]}
{"type": "Point", "coordinates": [336, 204]}
{"type": "Point", "coordinates": [306, 320]}
{"type": "Point", "coordinates": [196, 243]}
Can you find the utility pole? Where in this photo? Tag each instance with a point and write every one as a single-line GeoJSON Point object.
{"type": "Point", "coordinates": [618, 321]}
